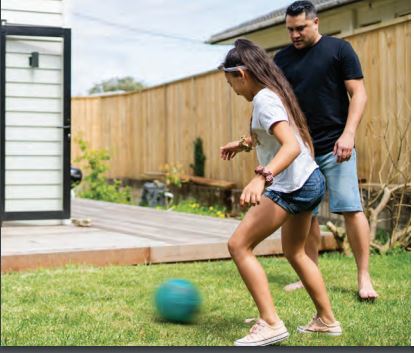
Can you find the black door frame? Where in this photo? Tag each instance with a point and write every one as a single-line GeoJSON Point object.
{"type": "Point", "coordinates": [37, 31]}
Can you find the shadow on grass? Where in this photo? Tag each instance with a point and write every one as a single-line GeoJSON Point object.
{"type": "Point", "coordinates": [353, 293]}
{"type": "Point", "coordinates": [282, 279]}
{"type": "Point", "coordinates": [223, 329]}
{"type": "Point", "coordinates": [160, 320]}
{"type": "Point", "coordinates": [342, 290]}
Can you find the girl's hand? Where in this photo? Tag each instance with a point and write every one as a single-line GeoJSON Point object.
{"type": "Point", "coordinates": [253, 191]}
{"type": "Point", "coordinates": [228, 151]}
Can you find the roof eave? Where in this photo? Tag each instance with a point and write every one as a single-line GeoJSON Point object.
{"type": "Point", "coordinates": [271, 22]}
{"type": "Point", "coordinates": [251, 28]}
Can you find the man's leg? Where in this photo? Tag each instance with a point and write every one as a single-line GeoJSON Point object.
{"type": "Point", "coordinates": [313, 241]}
{"type": "Point", "coordinates": [344, 198]}
{"type": "Point", "coordinates": [357, 229]}
{"type": "Point", "coordinates": [312, 244]}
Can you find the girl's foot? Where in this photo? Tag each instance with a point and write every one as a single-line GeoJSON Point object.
{"type": "Point", "coordinates": [318, 326]}
{"type": "Point", "coordinates": [263, 334]}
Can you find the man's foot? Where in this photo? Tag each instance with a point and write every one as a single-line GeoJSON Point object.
{"type": "Point", "coordinates": [262, 334]}
{"type": "Point", "coordinates": [367, 294]}
{"type": "Point", "coordinates": [293, 286]}
{"type": "Point", "coordinates": [366, 290]}
{"type": "Point", "coordinates": [317, 325]}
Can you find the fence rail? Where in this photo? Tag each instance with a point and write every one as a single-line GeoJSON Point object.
{"type": "Point", "coordinates": [144, 130]}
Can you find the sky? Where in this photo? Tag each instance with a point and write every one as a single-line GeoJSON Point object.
{"type": "Point", "coordinates": [117, 38]}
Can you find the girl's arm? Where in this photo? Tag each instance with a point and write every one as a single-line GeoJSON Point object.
{"type": "Point", "coordinates": [287, 153]}
{"type": "Point", "coordinates": [230, 150]}
{"type": "Point", "coordinates": [289, 149]}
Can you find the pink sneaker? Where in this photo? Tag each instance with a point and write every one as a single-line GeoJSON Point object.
{"type": "Point", "coordinates": [262, 334]}
{"type": "Point", "coordinates": [318, 326]}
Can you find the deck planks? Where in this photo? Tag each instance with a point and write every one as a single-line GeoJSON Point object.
{"type": "Point", "coordinates": [125, 235]}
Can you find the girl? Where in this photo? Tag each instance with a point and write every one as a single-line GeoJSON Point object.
{"type": "Point", "coordinates": [292, 185]}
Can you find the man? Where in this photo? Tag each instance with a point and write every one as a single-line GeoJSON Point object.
{"type": "Point", "coordinates": [323, 71]}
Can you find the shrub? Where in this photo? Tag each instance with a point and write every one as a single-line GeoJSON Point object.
{"type": "Point", "coordinates": [199, 158]}
{"type": "Point", "coordinates": [192, 206]}
{"type": "Point", "coordinates": [173, 174]}
{"type": "Point", "coordinates": [94, 185]}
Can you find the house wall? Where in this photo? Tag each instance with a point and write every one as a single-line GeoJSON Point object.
{"type": "Point", "coordinates": [340, 21]}
{"type": "Point", "coordinates": [33, 12]}
{"type": "Point", "coordinates": [34, 109]}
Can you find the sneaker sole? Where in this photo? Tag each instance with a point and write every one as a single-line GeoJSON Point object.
{"type": "Point", "coordinates": [321, 332]}
{"type": "Point", "coordinates": [267, 342]}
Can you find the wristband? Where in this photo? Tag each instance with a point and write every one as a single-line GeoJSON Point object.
{"type": "Point", "coordinates": [267, 174]}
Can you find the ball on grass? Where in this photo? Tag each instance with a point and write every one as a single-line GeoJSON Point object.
{"type": "Point", "coordinates": [177, 300]}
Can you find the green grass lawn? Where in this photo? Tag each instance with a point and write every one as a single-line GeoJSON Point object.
{"type": "Point", "coordinates": [114, 305]}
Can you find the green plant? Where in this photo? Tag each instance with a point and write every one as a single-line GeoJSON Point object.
{"type": "Point", "coordinates": [192, 206]}
{"type": "Point", "coordinates": [173, 174]}
{"type": "Point", "coordinates": [199, 158]}
{"type": "Point", "coordinates": [126, 84]}
{"type": "Point", "coordinates": [94, 185]}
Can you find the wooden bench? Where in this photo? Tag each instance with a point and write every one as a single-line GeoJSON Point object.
{"type": "Point", "coordinates": [222, 184]}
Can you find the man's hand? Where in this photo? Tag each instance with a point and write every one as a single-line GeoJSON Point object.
{"type": "Point", "coordinates": [344, 146]}
{"type": "Point", "coordinates": [228, 151]}
{"type": "Point", "coordinates": [253, 192]}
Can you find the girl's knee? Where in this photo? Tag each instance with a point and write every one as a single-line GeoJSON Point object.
{"type": "Point", "coordinates": [232, 245]}
{"type": "Point", "coordinates": [236, 246]}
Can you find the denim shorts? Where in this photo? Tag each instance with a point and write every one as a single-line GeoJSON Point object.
{"type": "Point", "coordinates": [342, 182]}
{"type": "Point", "coordinates": [304, 199]}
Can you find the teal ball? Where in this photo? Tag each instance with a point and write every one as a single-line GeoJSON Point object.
{"type": "Point", "coordinates": [177, 300]}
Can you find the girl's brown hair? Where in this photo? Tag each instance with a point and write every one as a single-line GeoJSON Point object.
{"type": "Point", "coordinates": [266, 72]}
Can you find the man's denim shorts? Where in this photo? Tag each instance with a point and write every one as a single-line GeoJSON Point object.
{"type": "Point", "coordinates": [342, 182]}
{"type": "Point", "coordinates": [304, 199]}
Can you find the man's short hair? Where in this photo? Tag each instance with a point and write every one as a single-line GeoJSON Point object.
{"type": "Point", "coordinates": [298, 7]}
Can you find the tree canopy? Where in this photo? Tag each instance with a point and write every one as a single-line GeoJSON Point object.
{"type": "Point", "coordinates": [125, 84]}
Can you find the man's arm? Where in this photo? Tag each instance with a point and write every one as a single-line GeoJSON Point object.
{"type": "Point", "coordinates": [345, 144]}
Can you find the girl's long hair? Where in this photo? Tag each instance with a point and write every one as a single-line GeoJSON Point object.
{"type": "Point", "coordinates": [266, 73]}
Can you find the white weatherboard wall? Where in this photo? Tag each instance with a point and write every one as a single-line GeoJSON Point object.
{"type": "Point", "coordinates": [33, 12]}
{"type": "Point", "coordinates": [34, 109]}
{"type": "Point", "coordinates": [34, 114]}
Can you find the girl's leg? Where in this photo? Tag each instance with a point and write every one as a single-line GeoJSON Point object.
{"type": "Point", "coordinates": [260, 222]}
{"type": "Point", "coordinates": [312, 244]}
{"type": "Point", "coordinates": [294, 233]}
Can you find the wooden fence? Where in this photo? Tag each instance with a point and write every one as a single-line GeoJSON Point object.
{"type": "Point", "coordinates": [144, 130]}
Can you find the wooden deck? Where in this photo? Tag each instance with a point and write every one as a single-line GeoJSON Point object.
{"type": "Point", "coordinates": [124, 235]}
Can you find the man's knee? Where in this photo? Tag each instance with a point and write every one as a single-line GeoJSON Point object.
{"type": "Point", "coordinates": [295, 257]}
{"type": "Point", "coordinates": [314, 231]}
{"type": "Point", "coordinates": [356, 215]}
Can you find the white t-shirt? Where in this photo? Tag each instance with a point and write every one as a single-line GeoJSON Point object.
{"type": "Point", "coordinates": [267, 110]}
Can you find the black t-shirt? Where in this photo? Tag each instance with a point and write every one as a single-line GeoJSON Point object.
{"type": "Point", "coordinates": [317, 75]}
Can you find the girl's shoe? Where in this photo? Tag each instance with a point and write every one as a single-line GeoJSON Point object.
{"type": "Point", "coordinates": [318, 326]}
{"type": "Point", "coordinates": [262, 334]}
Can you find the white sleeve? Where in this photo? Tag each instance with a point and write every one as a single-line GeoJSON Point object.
{"type": "Point", "coordinates": [271, 111]}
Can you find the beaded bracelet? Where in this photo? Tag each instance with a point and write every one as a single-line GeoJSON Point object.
{"type": "Point", "coordinates": [244, 145]}
{"type": "Point", "coordinates": [267, 174]}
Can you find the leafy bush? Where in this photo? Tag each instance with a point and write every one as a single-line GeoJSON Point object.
{"type": "Point", "coordinates": [94, 185]}
{"type": "Point", "coordinates": [126, 84]}
{"type": "Point", "coordinates": [173, 174]}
